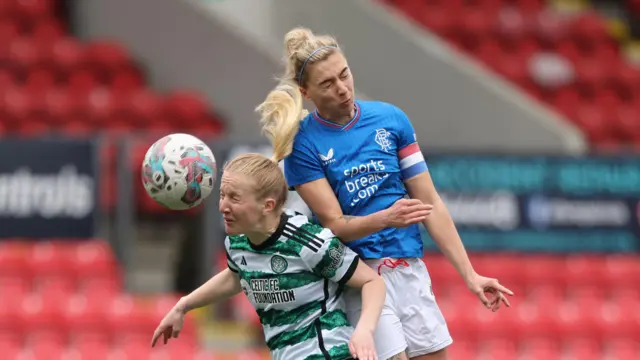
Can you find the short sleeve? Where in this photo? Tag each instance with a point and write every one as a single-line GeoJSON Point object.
{"type": "Point", "coordinates": [302, 166]}
{"type": "Point", "coordinates": [332, 259]}
{"type": "Point", "coordinates": [406, 132]}
{"type": "Point", "coordinates": [232, 265]}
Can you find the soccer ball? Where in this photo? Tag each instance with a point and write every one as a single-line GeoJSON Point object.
{"type": "Point", "coordinates": [179, 171]}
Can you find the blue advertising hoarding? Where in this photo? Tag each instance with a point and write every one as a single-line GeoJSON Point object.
{"type": "Point", "coordinates": [541, 203]}
{"type": "Point", "coordinates": [48, 188]}
{"type": "Point", "coordinates": [530, 203]}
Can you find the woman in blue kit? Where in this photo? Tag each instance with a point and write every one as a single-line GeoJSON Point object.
{"type": "Point", "coordinates": [354, 163]}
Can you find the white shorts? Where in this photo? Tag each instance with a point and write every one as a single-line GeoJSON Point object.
{"type": "Point", "coordinates": [410, 320]}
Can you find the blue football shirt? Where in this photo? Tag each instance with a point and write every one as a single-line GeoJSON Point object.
{"type": "Point", "coordinates": [366, 162]}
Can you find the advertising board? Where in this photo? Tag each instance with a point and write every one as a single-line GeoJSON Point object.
{"type": "Point", "coordinates": [48, 188]}
{"type": "Point", "coordinates": [541, 203]}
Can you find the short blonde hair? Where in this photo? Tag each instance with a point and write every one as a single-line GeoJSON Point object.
{"type": "Point", "coordinates": [282, 110]}
{"type": "Point", "coordinates": [266, 174]}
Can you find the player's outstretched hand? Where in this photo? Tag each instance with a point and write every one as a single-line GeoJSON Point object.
{"type": "Point", "coordinates": [170, 326]}
{"type": "Point", "coordinates": [361, 345]}
{"type": "Point", "coordinates": [405, 212]}
{"type": "Point", "coordinates": [490, 292]}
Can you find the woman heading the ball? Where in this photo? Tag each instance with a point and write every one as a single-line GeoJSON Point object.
{"type": "Point", "coordinates": [291, 270]}
{"type": "Point", "coordinates": [353, 163]}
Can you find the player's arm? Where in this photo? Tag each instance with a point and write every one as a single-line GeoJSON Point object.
{"type": "Point", "coordinates": [222, 286]}
{"type": "Point", "coordinates": [417, 180]}
{"type": "Point", "coordinates": [319, 197]}
{"type": "Point", "coordinates": [305, 174]}
{"type": "Point", "coordinates": [336, 262]}
{"type": "Point", "coordinates": [373, 295]}
{"type": "Point", "coordinates": [440, 224]}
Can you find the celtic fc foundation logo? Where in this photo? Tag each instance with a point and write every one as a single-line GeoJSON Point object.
{"type": "Point", "coordinates": [278, 264]}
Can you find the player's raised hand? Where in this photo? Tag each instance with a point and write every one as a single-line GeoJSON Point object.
{"type": "Point", "coordinates": [361, 345]}
{"type": "Point", "coordinates": [490, 292]}
{"type": "Point", "coordinates": [170, 325]}
{"type": "Point", "coordinates": [405, 212]}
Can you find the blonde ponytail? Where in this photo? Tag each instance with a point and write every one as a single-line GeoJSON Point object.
{"type": "Point", "coordinates": [282, 110]}
{"type": "Point", "coordinates": [281, 113]}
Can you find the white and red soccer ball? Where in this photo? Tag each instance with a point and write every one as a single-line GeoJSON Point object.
{"type": "Point", "coordinates": [179, 171]}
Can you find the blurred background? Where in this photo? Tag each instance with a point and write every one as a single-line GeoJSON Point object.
{"type": "Point", "coordinates": [527, 111]}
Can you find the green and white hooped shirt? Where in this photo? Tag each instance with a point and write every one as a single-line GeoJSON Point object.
{"type": "Point", "coordinates": [294, 281]}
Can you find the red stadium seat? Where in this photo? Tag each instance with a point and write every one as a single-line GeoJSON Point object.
{"type": "Point", "coordinates": [590, 72]}
{"type": "Point", "coordinates": [37, 313]}
{"type": "Point", "coordinates": [584, 269]}
{"type": "Point", "coordinates": [440, 270]}
{"type": "Point", "coordinates": [460, 321]}
{"type": "Point", "coordinates": [514, 67]}
{"type": "Point", "coordinates": [503, 324]}
{"type": "Point", "coordinates": [41, 351]}
{"type": "Point", "coordinates": [541, 298]}
{"type": "Point", "coordinates": [66, 54]}
{"type": "Point", "coordinates": [478, 21]}
{"type": "Point", "coordinates": [54, 287]}
{"type": "Point", "coordinates": [567, 101]}
{"type": "Point", "coordinates": [505, 34]}
{"type": "Point", "coordinates": [86, 316]}
{"type": "Point", "coordinates": [82, 81]}
{"type": "Point", "coordinates": [35, 9]}
{"type": "Point", "coordinates": [126, 81]}
{"type": "Point", "coordinates": [130, 317]}
{"type": "Point", "coordinates": [628, 126]}
{"type": "Point", "coordinates": [9, 29]}
{"type": "Point", "coordinates": [40, 79]}
{"type": "Point", "coordinates": [106, 58]}
{"type": "Point", "coordinates": [594, 122]}
{"type": "Point", "coordinates": [497, 349]}
{"type": "Point", "coordinates": [102, 286]}
{"type": "Point", "coordinates": [24, 53]}
{"type": "Point", "coordinates": [9, 348]}
{"type": "Point", "coordinates": [622, 269]}
{"type": "Point", "coordinates": [589, 27]}
{"type": "Point", "coordinates": [544, 270]}
{"type": "Point", "coordinates": [537, 321]}
{"type": "Point", "coordinates": [186, 107]}
{"type": "Point", "coordinates": [48, 31]}
{"type": "Point", "coordinates": [62, 107]}
{"type": "Point", "coordinates": [586, 292]}
{"type": "Point", "coordinates": [13, 257]}
{"type": "Point", "coordinates": [580, 318]}
{"type": "Point", "coordinates": [94, 351]}
{"type": "Point", "coordinates": [540, 348]}
{"type": "Point", "coordinates": [627, 75]}
{"type": "Point", "coordinates": [583, 349]}
{"type": "Point", "coordinates": [624, 349]}
{"type": "Point", "coordinates": [462, 350]}
{"type": "Point", "coordinates": [94, 260]}
{"type": "Point", "coordinates": [47, 258]}
{"type": "Point", "coordinates": [13, 287]}
{"type": "Point", "coordinates": [617, 321]}
{"type": "Point", "coordinates": [439, 20]}
{"type": "Point", "coordinates": [145, 107]}
{"type": "Point", "coordinates": [131, 351]}
{"type": "Point", "coordinates": [10, 326]}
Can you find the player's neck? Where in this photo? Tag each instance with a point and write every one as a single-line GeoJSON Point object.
{"type": "Point", "coordinates": [342, 120]}
{"type": "Point", "coordinates": [264, 230]}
